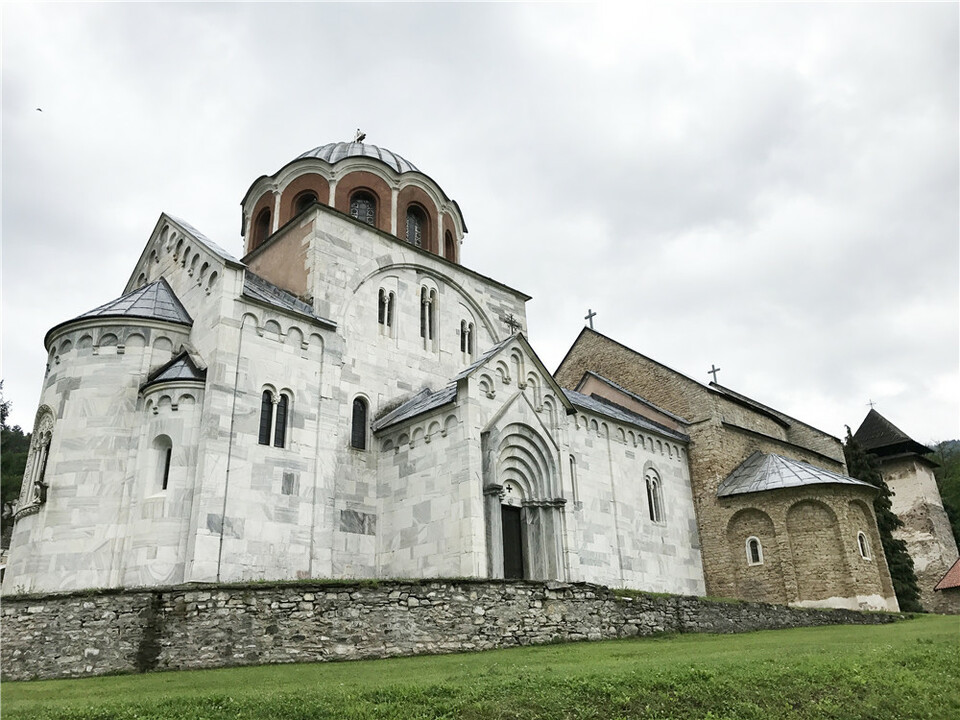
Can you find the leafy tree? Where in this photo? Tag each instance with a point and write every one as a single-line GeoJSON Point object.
{"type": "Point", "coordinates": [948, 481]}
{"type": "Point", "coordinates": [14, 445]}
{"type": "Point", "coordinates": [864, 466]}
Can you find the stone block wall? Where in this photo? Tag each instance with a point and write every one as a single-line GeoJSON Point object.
{"type": "Point", "coordinates": [176, 628]}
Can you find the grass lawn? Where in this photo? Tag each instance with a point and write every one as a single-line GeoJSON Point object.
{"type": "Point", "coordinates": [904, 670]}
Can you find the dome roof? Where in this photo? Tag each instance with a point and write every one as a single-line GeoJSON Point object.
{"type": "Point", "coordinates": [335, 152]}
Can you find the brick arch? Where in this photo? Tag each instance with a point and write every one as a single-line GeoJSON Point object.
{"type": "Point", "coordinates": [413, 195]}
{"type": "Point", "coordinates": [817, 551]}
{"type": "Point", "coordinates": [375, 185]}
{"type": "Point", "coordinates": [763, 583]}
{"type": "Point", "coordinates": [297, 186]}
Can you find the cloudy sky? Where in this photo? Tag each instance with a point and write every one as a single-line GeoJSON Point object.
{"type": "Point", "coordinates": [771, 188]}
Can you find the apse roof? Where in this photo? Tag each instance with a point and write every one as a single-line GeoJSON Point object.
{"type": "Point", "coordinates": [335, 152]}
{"type": "Point", "coordinates": [878, 435]}
{"type": "Point", "coordinates": [422, 402]}
{"type": "Point", "coordinates": [602, 406]}
{"type": "Point", "coordinates": [181, 367]}
{"type": "Point", "coordinates": [156, 301]}
{"type": "Point", "coordinates": [766, 471]}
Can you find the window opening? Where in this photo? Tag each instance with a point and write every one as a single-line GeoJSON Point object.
{"type": "Point", "coordinates": [415, 224]}
{"type": "Point", "coordinates": [754, 551]}
{"type": "Point", "coordinates": [363, 206]}
{"type": "Point", "coordinates": [166, 468]}
{"type": "Point", "coordinates": [261, 228]}
{"type": "Point", "coordinates": [304, 200]}
{"type": "Point", "coordinates": [864, 546]}
{"type": "Point", "coordinates": [449, 247]}
{"type": "Point", "coordinates": [280, 431]}
{"type": "Point", "coordinates": [358, 431]}
{"type": "Point", "coordinates": [654, 496]}
{"type": "Point", "coordinates": [266, 417]}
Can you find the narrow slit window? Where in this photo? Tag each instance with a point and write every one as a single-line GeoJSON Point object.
{"type": "Point", "coordinates": [166, 468]}
{"type": "Point", "coordinates": [280, 429]}
{"type": "Point", "coordinates": [358, 431]}
{"type": "Point", "coordinates": [754, 551]}
{"type": "Point", "coordinates": [266, 417]}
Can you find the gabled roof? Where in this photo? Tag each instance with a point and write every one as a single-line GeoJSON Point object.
{"type": "Point", "coordinates": [264, 291]}
{"type": "Point", "coordinates": [602, 406]}
{"type": "Point", "coordinates": [155, 301]}
{"type": "Point", "coordinates": [201, 238]}
{"type": "Point", "coordinates": [766, 471]}
{"type": "Point", "coordinates": [951, 579]}
{"type": "Point", "coordinates": [178, 369]}
{"type": "Point", "coordinates": [641, 400]}
{"type": "Point", "coordinates": [424, 401]}
{"type": "Point", "coordinates": [878, 435]}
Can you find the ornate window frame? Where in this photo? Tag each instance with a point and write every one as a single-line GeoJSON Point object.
{"type": "Point", "coordinates": [754, 549]}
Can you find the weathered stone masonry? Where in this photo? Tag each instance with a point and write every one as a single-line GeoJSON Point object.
{"type": "Point", "coordinates": [176, 628]}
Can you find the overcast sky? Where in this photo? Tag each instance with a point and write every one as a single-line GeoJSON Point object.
{"type": "Point", "coordinates": [771, 188]}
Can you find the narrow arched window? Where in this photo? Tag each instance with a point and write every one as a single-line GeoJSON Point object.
{"type": "Point", "coordinates": [654, 496]}
{"type": "Point", "coordinates": [754, 551]}
{"type": "Point", "coordinates": [864, 545]}
{"type": "Point", "coordinates": [449, 246]}
{"type": "Point", "coordinates": [463, 336]}
{"type": "Point", "coordinates": [416, 225]}
{"type": "Point", "coordinates": [391, 301]}
{"type": "Point", "coordinates": [428, 313]}
{"type": "Point", "coordinates": [163, 455]}
{"type": "Point", "coordinates": [266, 417]}
{"type": "Point", "coordinates": [382, 307]}
{"type": "Point", "coordinates": [280, 423]}
{"type": "Point", "coordinates": [304, 200]}
{"type": "Point", "coordinates": [261, 227]}
{"type": "Point", "coordinates": [363, 206]}
{"type": "Point", "coordinates": [358, 430]}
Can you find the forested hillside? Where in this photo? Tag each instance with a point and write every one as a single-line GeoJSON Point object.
{"type": "Point", "coordinates": [948, 479]}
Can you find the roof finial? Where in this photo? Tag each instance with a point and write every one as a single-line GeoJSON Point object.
{"type": "Point", "coordinates": [360, 136]}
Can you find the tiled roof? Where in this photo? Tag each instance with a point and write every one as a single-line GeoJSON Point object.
{"type": "Point", "coordinates": [878, 435]}
{"type": "Point", "coordinates": [181, 367]}
{"type": "Point", "coordinates": [616, 412]}
{"type": "Point", "coordinates": [156, 301]}
{"type": "Point", "coordinates": [766, 471]}
{"type": "Point", "coordinates": [422, 402]}
{"type": "Point", "coordinates": [951, 579]}
{"type": "Point", "coordinates": [256, 288]}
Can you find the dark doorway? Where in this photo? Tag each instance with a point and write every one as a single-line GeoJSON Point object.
{"type": "Point", "coordinates": [512, 543]}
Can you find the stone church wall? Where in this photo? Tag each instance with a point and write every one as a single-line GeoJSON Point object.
{"type": "Point", "coordinates": [177, 628]}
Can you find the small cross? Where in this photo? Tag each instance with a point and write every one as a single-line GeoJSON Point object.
{"type": "Point", "coordinates": [589, 317]}
{"type": "Point", "coordinates": [870, 403]}
{"type": "Point", "coordinates": [713, 371]}
{"type": "Point", "coordinates": [511, 322]}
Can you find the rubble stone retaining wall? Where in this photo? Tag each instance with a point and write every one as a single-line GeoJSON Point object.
{"type": "Point", "coordinates": [175, 628]}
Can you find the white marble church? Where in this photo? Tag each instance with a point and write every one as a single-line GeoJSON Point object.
{"type": "Point", "coordinates": [345, 401]}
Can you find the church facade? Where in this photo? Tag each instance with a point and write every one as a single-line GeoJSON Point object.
{"type": "Point", "coordinates": [346, 400]}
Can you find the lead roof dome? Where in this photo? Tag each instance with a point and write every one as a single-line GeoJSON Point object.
{"type": "Point", "coordinates": [334, 152]}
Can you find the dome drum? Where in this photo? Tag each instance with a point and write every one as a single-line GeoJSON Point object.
{"type": "Point", "coordinates": [372, 184]}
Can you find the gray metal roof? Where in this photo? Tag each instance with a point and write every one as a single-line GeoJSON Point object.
{"type": "Point", "coordinates": [422, 402]}
{"type": "Point", "coordinates": [766, 471]}
{"type": "Point", "coordinates": [483, 358]}
{"type": "Point", "coordinates": [633, 395]}
{"type": "Point", "coordinates": [616, 412]}
{"type": "Point", "coordinates": [181, 367]}
{"type": "Point", "coordinates": [199, 236]}
{"type": "Point", "coordinates": [156, 301]}
{"type": "Point", "coordinates": [335, 152]}
{"type": "Point", "coordinates": [256, 288]}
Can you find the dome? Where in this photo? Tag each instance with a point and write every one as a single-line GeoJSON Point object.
{"type": "Point", "coordinates": [335, 152]}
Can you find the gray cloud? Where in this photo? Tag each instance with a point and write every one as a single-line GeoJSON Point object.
{"type": "Point", "coordinates": [773, 188]}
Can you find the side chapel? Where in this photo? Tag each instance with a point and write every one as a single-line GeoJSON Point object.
{"type": "Point", "coordinates": [347, 400]}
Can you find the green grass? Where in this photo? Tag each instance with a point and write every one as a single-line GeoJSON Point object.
{"type": "Point", "coordinates": [903, 670]}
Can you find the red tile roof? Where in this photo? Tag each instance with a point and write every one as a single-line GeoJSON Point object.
{"type": "Point", "coordinates": [951, 579]}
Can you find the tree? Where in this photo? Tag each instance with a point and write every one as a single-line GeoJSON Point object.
{"type": "Point", "coordinates": [948, 481]}
{"type": "Point", "coordinates": [14, 446]}
{"type": "Point", "coordinates": [864, 466]}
